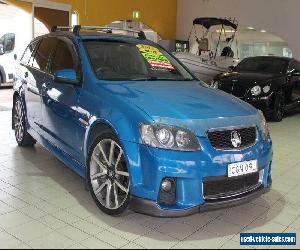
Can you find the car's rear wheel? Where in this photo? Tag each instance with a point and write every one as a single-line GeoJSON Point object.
{"type": "Point", "coordinates": [108, 176]}
{"type": "Point", "coordinates": [279, 107]}
{"type": "Point", "coordinates": [23, 138]}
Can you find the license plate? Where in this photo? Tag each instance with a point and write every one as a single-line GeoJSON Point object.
{"type": "Point", "coordinates": [242, 168]}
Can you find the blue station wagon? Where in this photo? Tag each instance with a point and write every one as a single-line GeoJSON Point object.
{"type": "Point", "coordinates": [128, 117]}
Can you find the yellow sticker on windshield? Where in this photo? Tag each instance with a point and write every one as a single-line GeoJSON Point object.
{"type": "Point", "coordinates": [154, 57]}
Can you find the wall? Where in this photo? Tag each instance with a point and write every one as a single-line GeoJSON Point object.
{"type": "Point", "coordinates": [51, 17]}
{"type": "Point", "coordinates": [276, 16]}
{"type": "Point", "coordinates": [10, 20]}
{"type": "Point", "coordinates": [160, 15]}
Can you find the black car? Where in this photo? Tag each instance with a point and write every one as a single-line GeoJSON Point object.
{"type": "Point", "coordinates": [270, 83]}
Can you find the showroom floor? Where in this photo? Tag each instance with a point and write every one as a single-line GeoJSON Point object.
{"type": "Point", "coordinates": [44, 205]}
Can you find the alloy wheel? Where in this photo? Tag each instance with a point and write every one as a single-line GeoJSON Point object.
{"type": "Point", "coordinates": [109, 175]}
{"type": "Point", "coordinates": [18, 121]}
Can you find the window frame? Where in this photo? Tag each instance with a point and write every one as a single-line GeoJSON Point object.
{"type": "Point", "coordinates": [46, 70]}
{"type": "Point", "coordinates": [37, 42]}
{"type": "Point", "coordinates": [84, 41]}
{"type": "Point", "coordinates": [74, 51]}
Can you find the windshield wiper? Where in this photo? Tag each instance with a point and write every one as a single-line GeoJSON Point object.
{"type": "Point", "coordinates": [140, 79]}
{"type": "Point", "coordinates": [174, 79]}
{"type": "Point", "coordinates": [187, 79]}
{"type": "Point", "coordinates": [154, 78]}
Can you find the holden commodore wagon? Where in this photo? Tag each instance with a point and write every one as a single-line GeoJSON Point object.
{"type": "Point", "coordinates": [128, 117]}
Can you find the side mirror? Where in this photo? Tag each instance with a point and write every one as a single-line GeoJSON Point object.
{"type": "Point", "coordinates": [2, 49]}
{"type": "Point", "coordinates": [231, 68]}
{"type": "Point", "coordinates": [15, 57]}
{"type": "Point", "coordinates": [66, 76]}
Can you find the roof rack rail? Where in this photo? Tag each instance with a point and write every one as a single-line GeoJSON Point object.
{"type": "Point", "coordinates": [60, 28]}
{"type": "Point", "coordinates": [77, 28]}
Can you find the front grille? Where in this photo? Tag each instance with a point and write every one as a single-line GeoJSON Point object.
{"type": "Point", "coordinates": [234, 88]}
{"type": "Point", "coordinates": [239, 90]}
{"type": "Point", "coordinates": [225, 187]}
{"type": "Point", "coordinates": [226, 87]}
{"type": "Point", "coordinates": [223, 139]}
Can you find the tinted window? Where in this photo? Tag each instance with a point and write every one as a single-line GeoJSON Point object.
{"type": "Point", "coordinates": [297, 66]}
{"type": "Point", "coordinates": [64, 56]}
{"type": "Point", "coordinates": [43, 52]}
{"type": "Point", "coordinates": [263, 64]}
{"type": "Point", "coordinates": [124, 61]}
{"type": "Point", "coordinates": [28, 52]}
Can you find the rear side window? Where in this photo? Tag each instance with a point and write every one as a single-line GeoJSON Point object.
{"type": "Point", "coordinates": [28, 52]}
{"type": "Point", "coordinates": [43, 52]}
{"type": "Point", "coordinates": [64, 56]}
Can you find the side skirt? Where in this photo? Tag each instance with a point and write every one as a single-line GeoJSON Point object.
{"type": "Point", "coordinates": [58, 153]}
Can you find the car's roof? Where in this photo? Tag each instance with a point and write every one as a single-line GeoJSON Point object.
{"type": "Point", "coordinates": [101, 36]}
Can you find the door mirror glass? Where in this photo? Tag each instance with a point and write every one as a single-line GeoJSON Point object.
{"type": "Point", "coordinates": [231, 68]}
{"type": "Point", "coordinates": [66, 76]}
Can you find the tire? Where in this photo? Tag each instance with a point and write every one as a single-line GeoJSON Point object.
{"type": "Point", "coordinates": [23, 138]}
{"type": "Point", "coordinates": [279, 106]}
{"type": "Point", "coordinates": [107, 177]}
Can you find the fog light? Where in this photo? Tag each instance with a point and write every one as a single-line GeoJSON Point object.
{"type": "Point", "coordinates": [167, 192]}
{"type": "Point", "coordinates": [166, 185]}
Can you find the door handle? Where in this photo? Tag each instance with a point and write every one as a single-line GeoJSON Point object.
{"type": "Point", "coordinates": [26, 74]}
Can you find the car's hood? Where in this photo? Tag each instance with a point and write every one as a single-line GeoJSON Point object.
{"type": "Point", "coordinates": [247, 78]}
{"type": "Point", "coordinates": [187, 104]}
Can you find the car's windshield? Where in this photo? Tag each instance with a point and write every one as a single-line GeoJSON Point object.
{"type": "Point", "coordinates": [125, 61]}
{"type": "Point", "coordinates": [263, 64]}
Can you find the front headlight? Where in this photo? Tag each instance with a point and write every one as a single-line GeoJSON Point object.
{"type": "Point", "coordinates": [266, 89]}
{"type": "Point", "coordinates": [168, 137]}
{"type": "Point", "coordinates": [256, 90]}
{"type": "Point", "coordinates": [263, 125]}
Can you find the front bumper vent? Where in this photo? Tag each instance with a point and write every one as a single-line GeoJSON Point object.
{"type": "Point", "coordinates": [223, 188]}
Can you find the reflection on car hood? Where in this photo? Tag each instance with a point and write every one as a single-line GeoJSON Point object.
{"type": "Point", "coordinates": [187, 104]}
{"type": "Point", "coordinates": [247, 78]}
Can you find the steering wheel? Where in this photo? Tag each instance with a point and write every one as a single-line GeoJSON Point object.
{"type": "Point", "coordinates": [103, 69]}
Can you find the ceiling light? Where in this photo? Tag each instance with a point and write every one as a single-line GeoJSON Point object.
{"type": "Point", "coordinates": [250, 28]}
{"type": "Point", "coordinates": [263, 31]}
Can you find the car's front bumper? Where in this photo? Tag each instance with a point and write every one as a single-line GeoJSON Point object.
{"type": "Point", "coordinates": [149, 166]}
{"type": "Point", "coordinates": [264, 103]}
{"type": "Point", "coordinates": [149, 207]}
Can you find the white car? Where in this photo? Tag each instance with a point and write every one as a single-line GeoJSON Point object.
{"type": "Point", "coordinates": [7, 58]}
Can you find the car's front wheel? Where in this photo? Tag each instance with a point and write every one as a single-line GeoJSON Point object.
{"type": "Point", "coordinates": [108, 176]}
{"type": "Point", "coordinates": [23, 138]}
{"type": "Point", "coordinates": [279, 107]}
